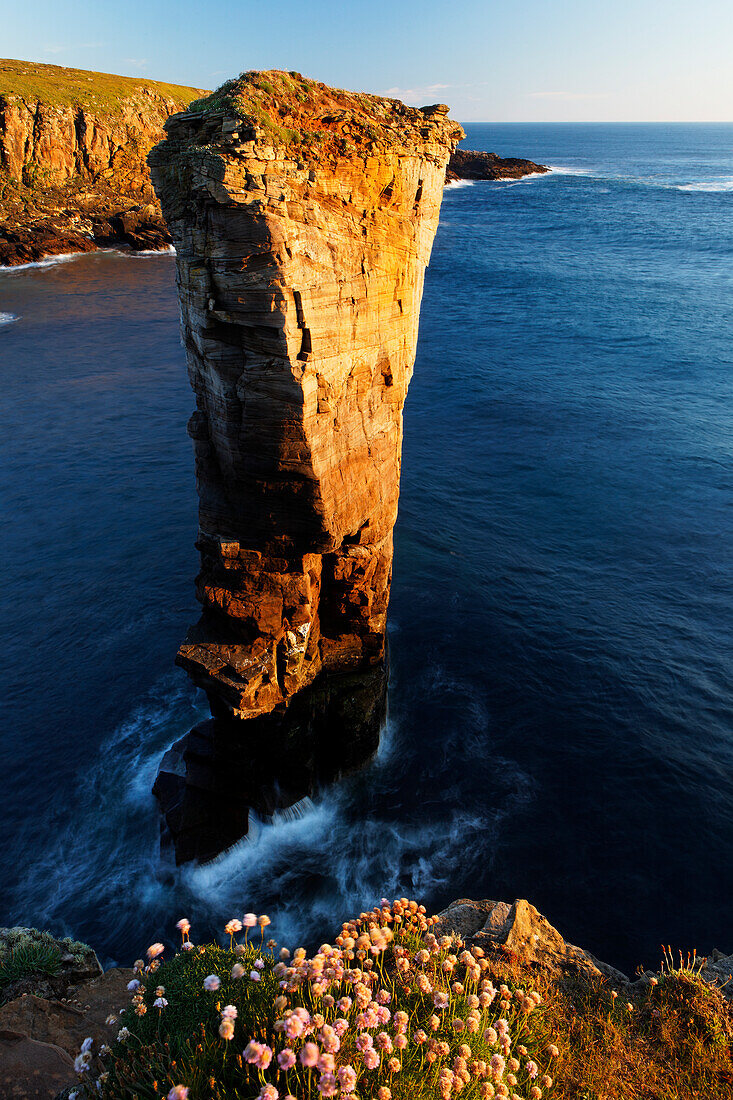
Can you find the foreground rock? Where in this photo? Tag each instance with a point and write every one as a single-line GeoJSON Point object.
{"type": "Point", "coordinates": [467, 164]}
{"type": "Point", "coordinates": [30, 1070]}
{"type": "Point", "coordinates": [73, 175]}
{"type": "Point", "coordinates": [67, 1023]}
{"type": "Point", "coordinates": [522, 932]}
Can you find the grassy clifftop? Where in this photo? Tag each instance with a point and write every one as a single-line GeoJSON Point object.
{"type": "Point", "coordinates": [59, 87]}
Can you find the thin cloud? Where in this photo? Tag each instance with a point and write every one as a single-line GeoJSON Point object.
{"type": "Point", "coordinates": [416, 93]}
{"type": "Point", "coordinates": [74, 46]}
{"type": "Point", "coordinates": [142, 63]}
{"type": "Point", "coordinates": [567, 95]}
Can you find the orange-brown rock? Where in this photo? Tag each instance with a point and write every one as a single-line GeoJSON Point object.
{"type": "Point", "coordinates": [73, 173]}
{"type": "Point", "coordinates": [303, 219]}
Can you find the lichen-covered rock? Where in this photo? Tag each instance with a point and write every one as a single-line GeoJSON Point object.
{"type": "Point", "coordinates": [303, 219]}
{"type": "Point", "coordinates": [520, 930]}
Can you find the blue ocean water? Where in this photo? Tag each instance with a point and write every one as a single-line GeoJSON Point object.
{"type": "Point", "coordinates": [561, 699]}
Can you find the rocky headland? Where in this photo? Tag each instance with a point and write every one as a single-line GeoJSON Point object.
{"type": "Point", "coordinates": [467, 164]}
{"type": "Point", "coordinates": [73, 148]}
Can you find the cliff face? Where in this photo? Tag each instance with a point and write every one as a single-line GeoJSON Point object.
{"type": "Point", "coordinates": [73, 148]}
{"type": "Point", "coordinates": [303, 219]}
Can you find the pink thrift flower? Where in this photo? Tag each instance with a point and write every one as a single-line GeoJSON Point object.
{"type": "Point", "coordinates": [370, 1058]}
{"type": "Point", "coordinates": [178, 1092]}
{"type": "Point", "coordinates": [212, 983]}
{"type": "Point", "coordinates": [308, 1055]}
{"type": "Point", "coordinates": [294, 1026]}
{"type": "Point", "coordinates": [286, 1059]}
{"type": "Point", "coordinates": [326, 1063]}
{"type": "Point", "coordinates": [155, 949]}
{"type": "Point", "coordinates": [327, 1084]}
{"type": "Point", "coordinates": [249, 920]}
{"type": "Point", "coordinates": [347, 1078]}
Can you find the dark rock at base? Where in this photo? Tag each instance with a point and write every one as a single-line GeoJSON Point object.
{"type": "Point", "coordinates": [25, 246]}
{"type": "Point", "coordinates": [140, 228]}
{"type": "Point", "coordinates": [210, 780]}
{"type": "Point", "coordinates": [467, 164]}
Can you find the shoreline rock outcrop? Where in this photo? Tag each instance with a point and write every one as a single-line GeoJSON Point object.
{"type": "Point", "coordinates": [303, 219]}
{"type": "Point", "coordinates": [73, 172]}
{"type": "Point", "coordinates": [468, 164]}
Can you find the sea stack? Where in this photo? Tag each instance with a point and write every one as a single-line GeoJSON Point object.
{"type": "Point", "coordinates": [303, 219]}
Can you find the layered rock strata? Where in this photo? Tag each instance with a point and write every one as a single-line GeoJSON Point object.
{"type": "Point", "coordinates": [303, 219]}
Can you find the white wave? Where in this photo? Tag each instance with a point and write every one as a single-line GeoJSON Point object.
{"type": "Point", "coordinates": [716, 186]}
{"type": "Point", "coordinates": [169, 250]}
{"type": "Point", "coordinates": [65, 257]}
{"type": "Point", "coordinates": [8, 318]}
{"type": "Point", "coordinates": [455, 184]}
{"type": "Point", "coordinates": [567, 170]}
{"type": "Point", "coordinates": [47, 261]}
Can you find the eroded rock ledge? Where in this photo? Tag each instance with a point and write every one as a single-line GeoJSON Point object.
{"type": "Point", "coordinates": [303, 219]}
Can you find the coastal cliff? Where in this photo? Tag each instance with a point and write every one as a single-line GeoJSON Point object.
{"type": "Point", "coordinates": [73, 147]}
{"type": "Point", "coordinates": [303, 219]}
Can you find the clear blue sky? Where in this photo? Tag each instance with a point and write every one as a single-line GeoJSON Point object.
{"type": "Point", "coordinates": [506, 60]}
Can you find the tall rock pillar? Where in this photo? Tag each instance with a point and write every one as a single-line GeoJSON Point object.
{"type": "Point", "coordinates": [303, 219]}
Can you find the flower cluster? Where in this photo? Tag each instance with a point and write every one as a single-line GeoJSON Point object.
{"type": "Point", "coordinates": [387, 1004]}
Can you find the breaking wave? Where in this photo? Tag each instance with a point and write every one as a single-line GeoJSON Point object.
{"type": "Point", "coordinates": [47, 261]}
{"type": "Point", "coordinates": [7, 318]}
{"type": "Point", "coordinates": [711, 186]}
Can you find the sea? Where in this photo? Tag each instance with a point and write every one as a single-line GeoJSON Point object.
{"type": "Point", "coordinates": [560, 720]}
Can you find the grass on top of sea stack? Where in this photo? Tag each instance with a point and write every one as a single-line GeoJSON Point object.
{"type": "Point", "coordinates": [287, 109]}
{"type": "Point", "coordinates": [393, 1013]}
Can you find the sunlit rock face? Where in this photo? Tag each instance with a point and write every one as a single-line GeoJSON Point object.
{"type": "Point", "coordinates": [303, 219]}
